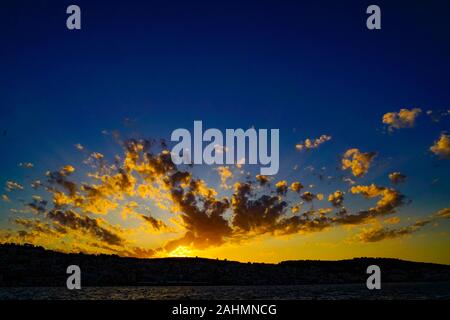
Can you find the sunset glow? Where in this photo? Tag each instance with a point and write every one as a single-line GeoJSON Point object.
{"type": "Point", "coordinates": [361, 118]}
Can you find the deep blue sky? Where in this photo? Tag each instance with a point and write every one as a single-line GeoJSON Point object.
{"type": "Point", "coordinates": [312, 66]}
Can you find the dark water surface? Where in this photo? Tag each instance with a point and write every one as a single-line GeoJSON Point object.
{"type": "Point", "coordinates": [303, 292]}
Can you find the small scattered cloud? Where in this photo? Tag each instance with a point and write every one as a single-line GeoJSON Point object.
{"type": "Point", "coordinates": [312, 143]}
{"type": "Point", "coordinates": [26, 165]}
{"type": "Point", "coordinates": [348, 180]}
{"type": "Point", "coordinates": [97, 155]}
{"type": "Point", "coordinates": [441, 147]}
{"type": "Point", "coordinates": [263, 180]}
{"type": "Point", "coordinates": [397, 177]}
{"type": "Point", "coordinates": [296, 186]}
{"type": "Point", "coordinates": [225, 174]}
{"type": "Point", "coordinates": [12, 185]}
{"type": "Point", "coordinates": [281, 187]}
{"type": "Point", "coordinates": [308, 196]}
{"type": "Point", "coordinates": [405, 118]}
{"type": "Point", "coordinates": [358, 162]}
{"type": "Point", "coordinates": [336, 198]}
{"type": "Point", "coordinates": [437, 116]}
{"type": "Point", "coordinates": [389, 198]}
{"type": "Point", "coordinates": [392, 220]}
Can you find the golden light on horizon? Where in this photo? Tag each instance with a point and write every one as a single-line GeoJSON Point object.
{"type": "Point", "coordinates": [181, 251]}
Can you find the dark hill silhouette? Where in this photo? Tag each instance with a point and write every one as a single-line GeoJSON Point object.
{"type": "Point", "coordinates": [27, 265]}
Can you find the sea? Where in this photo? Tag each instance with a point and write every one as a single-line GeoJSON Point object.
{"type": "Point", "coordinates": [388, 291]}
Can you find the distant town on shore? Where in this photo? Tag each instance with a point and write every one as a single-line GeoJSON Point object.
{"type": "Point", "coordinates": [28, 265]}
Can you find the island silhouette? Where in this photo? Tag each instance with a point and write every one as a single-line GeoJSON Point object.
{"type": "Point", "coordinates": [33, 266]}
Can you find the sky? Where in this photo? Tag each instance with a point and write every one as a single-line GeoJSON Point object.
{"type": "Point", "coordinates": [78, 107]}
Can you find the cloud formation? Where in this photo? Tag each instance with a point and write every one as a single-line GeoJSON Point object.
{"type": "Point", "coordinates": [358, 162]}
{"type": "Point", "coordinates": [389, 198]}
{"type": "Point", "coordinates": [405, 118]}
{"type": "Point", "coordinates": [26, 165]}
{"type": "Point", "coordinates": [441, 147]}
{"type": "Point", "coordinates": [397, 177]}
{"type": "Point", "coordinates": [336, 198]}
{"type": "Point", "coordinates": [281, 187]}
{"type": "Point", "coordinates": [12, 185]}
{"type": "Point", "coordinates": [189, 212]}
{"type": "Point", "coordinates": [312, 143]}
{"type": "Point", "coordinates": [296, 186]}
{"type": "Point", "coordinates": [94, 227]}
{"type": "Point", "coordinates": [378, 232]}
{"type": "Point", "coordinates": [437, 116]}
{"type": "Point", "coordinates": [381, 233]}
{"type": "Point", "coordinates": [263, 180]}
{"type": "Point", "coordinates": [443, 213]}
{"type": "Point", "coordinates": [225, 174]}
